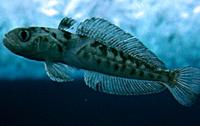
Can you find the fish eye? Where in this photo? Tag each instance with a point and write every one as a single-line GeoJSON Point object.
{"type": "Point", "coordinates": [24, 35]}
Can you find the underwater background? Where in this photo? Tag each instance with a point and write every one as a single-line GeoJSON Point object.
{"type": "Point", "coordinates": [171, 29]}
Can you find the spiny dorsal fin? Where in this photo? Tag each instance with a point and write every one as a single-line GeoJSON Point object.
{"type": "Point", "coordinates": [121, 86]}
{"type": "Point", "coordinates": [112, 36]}
{"type": "Point", "coordinates": [68, 24]}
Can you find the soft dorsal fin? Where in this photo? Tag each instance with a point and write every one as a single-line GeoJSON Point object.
{"type": "Point", "coordinates": [112, 36]}
{"type": "Point", "coordinates": [59, 72]}
{"type": "Point", "coordinates": [68, 24]}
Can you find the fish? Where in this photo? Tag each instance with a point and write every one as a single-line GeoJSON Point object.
{"type": "Point", "coordinates": [113, 60]}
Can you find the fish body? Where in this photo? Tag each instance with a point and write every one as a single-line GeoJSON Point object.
{"type": "Point", "coordinates": [98, 57]}
{"type": "Point", "coordinates": [113, 61]}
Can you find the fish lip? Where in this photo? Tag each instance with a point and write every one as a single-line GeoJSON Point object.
{"type": "Point", "coordinates": [8, 43]}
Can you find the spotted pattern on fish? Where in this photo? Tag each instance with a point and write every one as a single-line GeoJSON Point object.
{"type": "Point", "coordinates": [45, 29]}
{"type": "Point", "coordinates": [54, 35]}
{"type": "Point", "coordinates": [114, 51]}
{"type": "Point", "coordinates": [95, 44]}
{"type": "Point", "coordinates": [114, 61]}
{"type": "Point", "coordinates": [60, 48]}
{"type": "Point", "coordinates": [67, 35]}
{"type": "Point", "coordinates": [133, 71]}
{"type": "Point", "coordinates": [120, 63]}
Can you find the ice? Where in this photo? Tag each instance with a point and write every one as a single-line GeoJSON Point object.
{"type": "Point", "coordinates": [169, 28]}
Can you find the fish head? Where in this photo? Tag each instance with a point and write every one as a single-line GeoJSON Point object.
{"type": "Point", "coordinates": [36, 43]}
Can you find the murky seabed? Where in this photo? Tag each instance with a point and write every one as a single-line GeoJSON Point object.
{"type": "Point", "coordinates": [34, 102]}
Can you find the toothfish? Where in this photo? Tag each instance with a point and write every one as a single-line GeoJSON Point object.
{"type": "Point", "coordinates": [113, 60]}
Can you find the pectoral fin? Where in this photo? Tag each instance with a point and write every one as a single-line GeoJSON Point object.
{"type": "Point", "coordinates": [59, 72]}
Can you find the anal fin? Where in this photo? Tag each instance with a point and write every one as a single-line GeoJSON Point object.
{"type": "Point", "coordinates": [121, 86]}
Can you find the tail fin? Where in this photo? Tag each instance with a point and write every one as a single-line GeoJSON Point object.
{"type": "Point", "coordinates": [187, 85]}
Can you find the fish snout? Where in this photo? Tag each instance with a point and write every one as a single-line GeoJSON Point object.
{"type": "Point", "coordinates": [5, 40]}
{"type": "Point", "coordinates": [9, 43]}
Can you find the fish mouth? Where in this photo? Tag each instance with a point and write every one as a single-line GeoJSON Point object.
{"type": "Point", "coordinates": [9, 43]}
{"type": "Point", "coordinates": [6, 42]}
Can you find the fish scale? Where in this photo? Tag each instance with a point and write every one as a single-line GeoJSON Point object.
{"type": "Point", "coordinates": [119, 64]}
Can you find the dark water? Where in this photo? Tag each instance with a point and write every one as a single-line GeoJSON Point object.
{"type": "Point", "coordinates": [45, 103]}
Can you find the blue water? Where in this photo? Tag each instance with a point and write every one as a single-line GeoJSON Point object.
{"type": "Point", "coordinates": [29, 98]}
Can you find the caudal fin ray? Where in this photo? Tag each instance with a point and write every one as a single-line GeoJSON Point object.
{"type": "Point", "coordinates": [187, 86]}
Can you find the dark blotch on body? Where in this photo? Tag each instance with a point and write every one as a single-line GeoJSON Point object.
{"type": "Point", "coordinates": [103, 49]}
{"type": "Point", "coordinates": [138, 63]}
{"type": "Point", "coordinates": [33, 29]}
{"type": "Point", "coordinates": [159, 77]}
{"type": "Point", "coordinates": [122, 55]}
{"type": "Point", "coordinates": [132, 71]}
{"type": "Point", "coordinates": [44, 29]}
{"type": "Point", "coordinates": [123, 67]}
{"type": "Point", "coordinates": [131, 59]}
{"type": "Point", "coordinates": [114, 51]}
{"type": "Point", "coordinates": [147, 66]}
{"type": "Point", "coordinates": [116, 67]}
{"type": "Point", "coordinates": [171, 75]}
{"type": "Point", "coordinates": [95, 44]}
{"type": "Point", "coordinates": [60, 49]}
{"type": "Point", "coordinates": [67, 35]}
{"type": "Point", "coordinates": [82, 36]}
{"type": "Point", "coordinates": [85, 55]}
{"type": "Point", "coordinates": [151, 75]}
{"type": "Point", "coordinates": [141, 74]}
{"type": "Point", "coordinates": [45, 39]}
{"type": "Point", "coordinates": [98, 61]}
{"type": "Point", "coordinates": [54, 35]}
{"type": "Point", "coordinates": [108, 63]}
